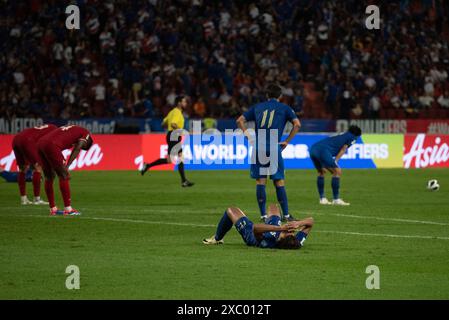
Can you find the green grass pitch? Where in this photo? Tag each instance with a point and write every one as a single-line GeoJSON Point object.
{"type": "Point", "coordinates": [140, 238]}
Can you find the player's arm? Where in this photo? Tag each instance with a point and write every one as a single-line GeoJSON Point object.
{"type": "Point", "coordinates": [249, 115]}
{"type": "Point", "coordinates": [241, 123]}
{"type": "Point", "coordinates": [304, 225]}
{"type": "Point", "coordinates": [296, 126]}
{"type": "Point", "coordinates": [164, 121]}
{"type": "Point", "coordinates": [76, 150]}
{"type": "Point", "coordinates": [341, 152]}
{"type": "Point", "coordinates": [260, 228]}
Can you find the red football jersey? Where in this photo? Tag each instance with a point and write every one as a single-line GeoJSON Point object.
{"type": "Point", "coordinates": [65, 137]}
{"type": "Point", "coordinates": [34, 134]}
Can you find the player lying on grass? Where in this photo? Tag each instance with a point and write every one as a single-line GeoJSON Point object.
{"type": "Point", "coordinates": [322, 154]}
{"type": "Point", "coordinates": [270, 234]}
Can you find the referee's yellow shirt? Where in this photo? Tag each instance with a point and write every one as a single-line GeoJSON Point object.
{"type": "Point", "coordinates": [174, 116]}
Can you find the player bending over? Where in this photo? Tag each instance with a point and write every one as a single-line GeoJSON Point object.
{"type": "Point", "coordinates": [25, 150]}
{"type": "Point", "coordinates": [322, 154]}
{"type": "Point", "coordinates": [50, 151]}
{"type": "Point", "coordinates": [270, 234]}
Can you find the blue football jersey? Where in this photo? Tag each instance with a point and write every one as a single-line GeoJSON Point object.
{"type": "Point", "coordinates": [335, 143]}
{"type": "Point", "coordinates": [270, 115]}
{"type": "Point", "coordinates": [269, 239]}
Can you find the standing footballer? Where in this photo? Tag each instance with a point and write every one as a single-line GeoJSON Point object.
{"type": "Point", "coordinates": [270, 118]}
{"type": "Point", "coordinates": [24, 145]}
{"type": "Point", "coordinates": [50, 149]}
{"type": "Point", "coordinates": [174, 121]}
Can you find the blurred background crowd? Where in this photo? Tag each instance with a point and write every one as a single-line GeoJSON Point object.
{"type": "Point", "coordinates": [132, 58]}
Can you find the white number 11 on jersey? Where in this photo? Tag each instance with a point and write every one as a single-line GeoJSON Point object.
{"type": "Point", "coordinates": [264, 119]}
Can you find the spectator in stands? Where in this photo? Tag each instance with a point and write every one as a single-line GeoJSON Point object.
{"type": "Point", "coordinates": [217, 50]}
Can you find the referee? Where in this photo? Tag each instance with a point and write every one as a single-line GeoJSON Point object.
{"type": "Point", "coordinates": [174, 120]}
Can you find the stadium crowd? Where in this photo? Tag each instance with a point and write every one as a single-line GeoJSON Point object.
{"type": "Point", "coordinates": [132, 58]}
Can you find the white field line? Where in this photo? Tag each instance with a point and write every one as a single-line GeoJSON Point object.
{"type": "Point", "coordinates": [153, 210]}
{"type": "Point", "coordinates": [380, 218]}
{"type": "Point", "coordinates": [213, 226]}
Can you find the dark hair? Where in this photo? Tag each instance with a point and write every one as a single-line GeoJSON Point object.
{"type": "Point", "coordinates": [355, 131]}
{"type": "Point", "coordinates": [273, 91]}
{"type": "Point", "coordinates": [288, 242]}
{"type": "Point", "coordinates": [178, 99]}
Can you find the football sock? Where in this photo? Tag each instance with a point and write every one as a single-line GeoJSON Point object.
{"type": "Point", "coordinates": [65, 191]}
{"type": "Point", "coordinates": [282, 199]}
{"type": "Point", "coordinates": [261, 198]}
{"type": "Point", "coordinates": [223, 227]}
{"type": "Point", "coordinates": [336, 187]}
{"type": "Point", "coordinates": [22, 183]}
{"type": "Point", "coordinates": [320, 185]}
{"type": "Point", "coordinates": [157, 162]}
{"type": "Point", "coordinates": [181, 171]}
{"type": "Point", "coordinates": [50, 193]}
{"type": "Point", "coordinates": [36, 183]}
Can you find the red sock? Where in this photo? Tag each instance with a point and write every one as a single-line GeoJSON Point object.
{"type": "Point", "coordinates": [37, 183]}
{"type": "Point", "coordinates": [65, 191]}
{"type": "Point", "coordinates": [50, 193]}
{"type": "Point", "coordinates": [22, 183]}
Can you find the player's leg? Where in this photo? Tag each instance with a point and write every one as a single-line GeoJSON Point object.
{"type": "Point", "coordinates": [315, 157]}
{"type": "Point", "coordinates": [64, 187]}
{"type": "Point", "coordinates": [185, 182]}
{"type": "Point", "coordinates": [160, 161]}
{"type": "Point", "coordinates": [37, 177]}
{"type": "Point", "coordinates": [281, 196]}
{"type": "Point", "coordinates": [273, 210]}
{"type": "Point", "coordinates": [21, 180]}
{"type": "Point", "coordinates": [49, 177]}
{"type": "Point", "coordinates": [33, 156]}
{"type": "Point", "coordinates": [279, 183]}
{"type": "Point", "coordinates": [21, 176]}
{"type": "Point", "coordinates": [336, 175]}
{"type": "Point", "coordinates": [229, 218]}
{"type": "Point", "coordinates": [261, 196]}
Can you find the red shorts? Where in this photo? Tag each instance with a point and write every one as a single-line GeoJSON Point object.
{"type": "Point", "coordinates": [25, 151]}
{"type": "Point", "coordinates": [50, 155]}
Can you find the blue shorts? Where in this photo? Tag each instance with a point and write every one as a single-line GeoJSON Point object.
{"type": "Point", "coordinates": [322, 158]}
{"type": "Point", "coordinates": [257, 169]}
{"type": "Point", "coordinates": [245, 227]}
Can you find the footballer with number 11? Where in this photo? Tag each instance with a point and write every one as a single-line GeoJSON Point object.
{"type": "Point", "coordinates": [271, 116]}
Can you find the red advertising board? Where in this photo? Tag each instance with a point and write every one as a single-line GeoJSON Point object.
{"type": "Point", "coordinates": [109, 152]}
{"type": "Point", "coordinates": [426, 151]}
{"type": "Point", "coordinates": [428, 126]}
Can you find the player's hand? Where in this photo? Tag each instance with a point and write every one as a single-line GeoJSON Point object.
{"type": "Point", "coordinates": [283, 144]}
{"type": "Point", "coordinates": [250, 137]}
{"type": "Point", "coordinates": [290, 226]}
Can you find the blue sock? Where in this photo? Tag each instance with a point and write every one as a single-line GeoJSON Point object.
{"type": "Point", "coordinates": [223, 227]}
{"type": "Point", "coordinates": [261, 198]}
{"type": "Point", "coordinates": [320, 185]}
{"type": "Point", "coordinates": [282, 199]}
{"type": "Point", "coordinates": [336, 187]}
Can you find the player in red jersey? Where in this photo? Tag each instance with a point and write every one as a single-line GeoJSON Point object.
{"type": "Point", "coordinates": [50, 150]}
{"type": "Point", "coordinates": [24, 145]}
